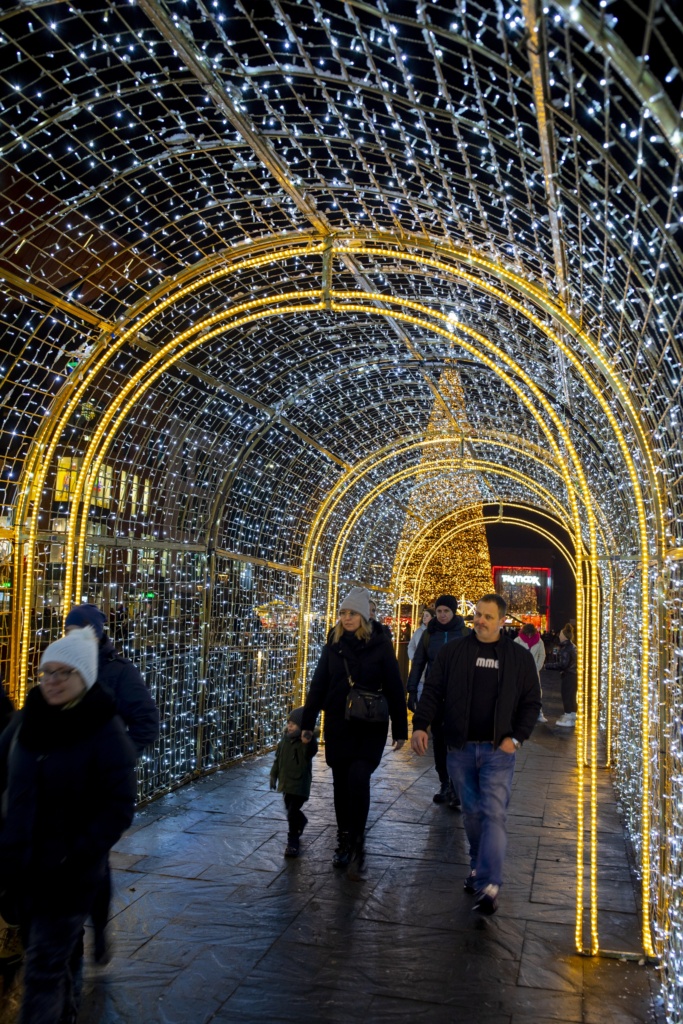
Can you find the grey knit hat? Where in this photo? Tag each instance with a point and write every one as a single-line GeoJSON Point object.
{"type": "Point", "coordinates": [79, 650]}
{"type": "Point", "coordinates": [357, 600]}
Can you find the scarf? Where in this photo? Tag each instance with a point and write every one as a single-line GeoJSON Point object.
{"type": "Point", "coordinates": [45, 727]}
{"type": "Point", "coordinates": [532, 640]}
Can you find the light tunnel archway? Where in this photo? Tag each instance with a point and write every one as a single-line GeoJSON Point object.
{"type": "Point", "coordinates": [174, 425]}
{"type": "Point", "coordinates": [312, 302]}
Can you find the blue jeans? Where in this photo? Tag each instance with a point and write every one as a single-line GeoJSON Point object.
{"type": "Point", "coordinates": [483, 779]}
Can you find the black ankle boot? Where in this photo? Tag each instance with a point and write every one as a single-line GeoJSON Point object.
{"type": "Point", "coordinates": [343, 851]}
{"type": "Point", "coordinates": [292, 847]}
{"type": "Point", "coordinates": [442, 796]}
{"type": "Point", "coordinates": [356, 860]}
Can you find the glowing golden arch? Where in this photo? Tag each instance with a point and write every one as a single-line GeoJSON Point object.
{"type": "Point", "coordinates": [258, 308]}
{"type": "Point", "coordinates": [420, 469]}
{"type": "Point", "coordinates": [43, 451]}
{"type": "Point", "coordinates": [510, 520]}
{"type": "Point", "coordinates": [400, 576]}
{"type": "Point", "coordinates": [540, 457]}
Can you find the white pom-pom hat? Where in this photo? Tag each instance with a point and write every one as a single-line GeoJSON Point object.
{"type": "Point", "coordinates": [79, 650]}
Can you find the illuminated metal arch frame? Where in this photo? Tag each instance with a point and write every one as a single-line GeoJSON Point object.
{"type": "Point", "coordinates": [373, 304]}
{"type": "Point", "coordinates": [370, 464]}
{"type": "Point", "coordinates": [400, 579]}
{"type": "Point", "coordinates": [424, 469]}
{"type": "Point", "coordinates": [560, 520]}
{"type": "Point", "coordinates": [571, 561]}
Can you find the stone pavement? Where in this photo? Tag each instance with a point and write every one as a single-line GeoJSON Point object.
{"type": "Point", "coordinates": [211, 923]}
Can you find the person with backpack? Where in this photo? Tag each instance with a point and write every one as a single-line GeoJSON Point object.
{"type": "Point", "coordinates": [445, 627]}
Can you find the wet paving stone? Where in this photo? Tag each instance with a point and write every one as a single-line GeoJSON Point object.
{"type": "Point", "coordinates": [211, 925]}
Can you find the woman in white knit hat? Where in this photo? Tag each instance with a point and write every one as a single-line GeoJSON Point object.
{"type": "Point", "coordinates": [68, 769]}
{"type": "Point", "coordinates": [359, 648]}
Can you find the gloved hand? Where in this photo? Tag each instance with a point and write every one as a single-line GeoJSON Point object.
{"type": "Point", "coordinates": [412, 700]}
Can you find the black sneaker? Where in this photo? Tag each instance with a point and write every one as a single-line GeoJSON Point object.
{"type": "Point", "coordinates": [292, 847]}
{"type": "Point", "coordinates": [102, 951]}
{"type": "Point", "coordinates": [453, 798]}
{"type": "Point", "coordinates": [470, 884]}
{"type": "Point", "coordinates": [442, 795]}
{"type": "Point", "coordinates": [356, 861]}
{"type": "Point", "coordinates": [342, 854]}
{"type": "Point", "coordinates": [487, 900]}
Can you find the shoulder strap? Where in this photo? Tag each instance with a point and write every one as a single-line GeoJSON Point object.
{"type": "Point", "coordinates": [348, 671]}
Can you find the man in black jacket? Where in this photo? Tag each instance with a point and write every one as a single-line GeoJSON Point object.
{"type": "Point", "coordinates": [486, 689]}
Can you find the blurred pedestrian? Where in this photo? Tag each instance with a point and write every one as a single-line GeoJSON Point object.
{"type": "Point", "coordinates": [68, 769]}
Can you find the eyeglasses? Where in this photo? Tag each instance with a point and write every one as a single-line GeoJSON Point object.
{"type": "Point", "coordinates": [60, 675]}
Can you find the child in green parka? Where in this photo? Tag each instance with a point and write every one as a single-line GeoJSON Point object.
{"type": "Point", "coordinates": [291, 774]}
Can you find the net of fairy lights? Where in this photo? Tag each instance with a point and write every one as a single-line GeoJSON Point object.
{"type": "Point", "coordinates": [120, 172]}
{"type": "Point", "coordinates": [668, 829]}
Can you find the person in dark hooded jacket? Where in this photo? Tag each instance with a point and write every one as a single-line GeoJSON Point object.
{"type": "Point", "coordinates": [292, 773]}
{"type": "Point", "coordinates": [120, 679]}
{"type": "Point", "coordinates": [358, 648]}
{"type": "Point", "coordinates": [68, 771]}
{"type": "Point", "coordinates": [446, 626]}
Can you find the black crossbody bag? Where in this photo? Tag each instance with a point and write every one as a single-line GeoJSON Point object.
{"type": "Point", "coordinates": [364, 705]}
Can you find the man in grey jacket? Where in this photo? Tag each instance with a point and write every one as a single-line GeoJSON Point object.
{"type": "Point", "coordinates": [486, 689]}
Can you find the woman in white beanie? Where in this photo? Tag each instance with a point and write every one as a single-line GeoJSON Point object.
{"type": "Point", "coordinates": [360, 648]}
{"type": "Point", "coordinates": [68, 769]}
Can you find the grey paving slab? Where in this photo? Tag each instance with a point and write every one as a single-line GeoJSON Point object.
{"type": "Point", "coordinates": [210, 923]}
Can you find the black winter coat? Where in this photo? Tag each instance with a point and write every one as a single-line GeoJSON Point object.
{"type": "Point", "coordinates": [292, 769]}
{"type": "Point", "coordinates": [567, 660]}
{"type": "Point", "coordinates": [447, 691]}
{"type": "Point", "coordinates": [121, 680]}
{"type": "Point", "coordinates": [69, 776]}
{"type": "Point", "coordinates": [373, 666]}
{"type": "Point", "coordinates": [439, 635]}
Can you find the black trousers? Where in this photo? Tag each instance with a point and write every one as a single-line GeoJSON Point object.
{"type": "Point", "coordinates": [53, 968]}
{"type": "Point", "coordinates": [569, 686]}
{"type": "Point", "coordinates": [296, 819]}
{"type": "Point", "coordinates": [99, 912]}
{"type": "Point", "coordinates": [351, 781]}
{"type": "Point", "coordinates": [440, 750]}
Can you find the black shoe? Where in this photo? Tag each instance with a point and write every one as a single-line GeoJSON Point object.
{"type": "Point", "coordinates": [442, 795]}
{"type": "Point", "coordinates": [470, 884]}
{"type": "Point", "coordinates": [453, 798]}
{"type": "Point", "coordinates": [487, 901]}
{"type": "Point", "coordinates": [292, 847]}
{"type": "Point", "coordinates": [102, 952]}
{"type": "Point", "coordinates": [356, 861]}
{"type": "Point", "coordinates": [342, 854]}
